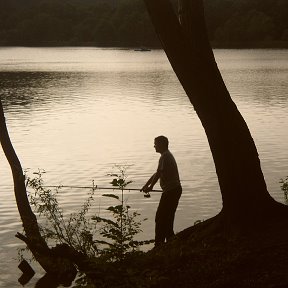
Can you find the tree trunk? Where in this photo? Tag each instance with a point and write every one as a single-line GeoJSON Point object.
{"type": "Point", "coordinates": [243, 188]}
{"type": "Point", "coordinates": [63, 270]}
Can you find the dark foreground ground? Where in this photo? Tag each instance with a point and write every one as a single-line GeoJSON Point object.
{"type": "Point", "coordinates": [204, 256]}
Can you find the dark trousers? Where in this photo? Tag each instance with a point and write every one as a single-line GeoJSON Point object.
{"type": "Point", "coordinates": [165, 215]}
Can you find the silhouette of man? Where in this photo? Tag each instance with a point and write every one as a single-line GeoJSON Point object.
{"type": "Point", "coordinates": [167, 172]}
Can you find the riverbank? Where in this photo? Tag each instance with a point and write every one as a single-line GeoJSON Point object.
{"type": "Point", "coordinates": [204, 256]}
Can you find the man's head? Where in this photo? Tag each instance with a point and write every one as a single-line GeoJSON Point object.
{"type": "Point", "coordinates": [161, 144]}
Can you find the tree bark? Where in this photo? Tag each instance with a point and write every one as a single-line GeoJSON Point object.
{"type": "Point", "coordinates": [242, 184]}
{"type": "Point", "coordinates": [61, 268]}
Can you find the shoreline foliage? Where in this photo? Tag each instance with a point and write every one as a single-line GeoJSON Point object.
{"type": "Point", "coordinates": [284, 187]}
{"type": "Point", "coordinates": [107, 23]}
{"type": "Point", "coordinates": [109, 239]}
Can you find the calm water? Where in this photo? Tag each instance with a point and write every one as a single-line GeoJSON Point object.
{"type": "Point", "coordinates": [76, 112]}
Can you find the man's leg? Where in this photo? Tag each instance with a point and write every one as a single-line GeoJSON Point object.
{"type": "Point", "coordinates": [171, 210]}
{"type": "Point", "coordinates": [160, 229]}
{"type": "Point", "coordinates": [165, 215]}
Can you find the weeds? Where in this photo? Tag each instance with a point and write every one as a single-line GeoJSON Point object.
{"type": "Point", "coordinates": [95, 236]}
{"type": "Point", "coordinates": [284, 187]}
{"type": "Point", "coordinates": [119, 233]}
{"type": "Point", "coordinates": [76, 231]}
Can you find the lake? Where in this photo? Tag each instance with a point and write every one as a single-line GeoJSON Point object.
{"type": "Point", "coordinates": [76, 112]}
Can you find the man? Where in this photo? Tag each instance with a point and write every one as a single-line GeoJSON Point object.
{"type": "Point", "coordinates": [167, 172]}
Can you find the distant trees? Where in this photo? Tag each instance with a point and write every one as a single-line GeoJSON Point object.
{"type": "Point", "coordinates": [247, 21]}
{"type": "Point", "coordinates": [253, 26]}
{"type": "Point", "coordinates": [99, 23]}
{"type": "Point", "coordinates": [126, 23]}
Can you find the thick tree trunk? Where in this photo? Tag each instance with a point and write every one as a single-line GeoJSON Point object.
{"type": "Point", "coordinates": [243, 188]}
{"type": "Point", "coordinates": [61, 268]}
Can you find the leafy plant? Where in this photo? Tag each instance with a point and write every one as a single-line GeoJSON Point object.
{"type": "Point", "coordinates": [119, 232]}
{"type": "Point", "coordinates": [83, 232]}
{"type": "Point", "coordinates": [76, 231]}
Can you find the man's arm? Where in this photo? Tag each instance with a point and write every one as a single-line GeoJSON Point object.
{"type": "Point", "coordinates": [151, 182]}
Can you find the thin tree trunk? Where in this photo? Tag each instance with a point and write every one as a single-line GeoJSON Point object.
{"type": "Point", "coordinates": [61, 268]}
{"type": "Point", "coordinates": [243, 188]}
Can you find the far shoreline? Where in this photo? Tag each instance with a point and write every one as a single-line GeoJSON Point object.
{"type": "Point", "coordinates": [215, 45]}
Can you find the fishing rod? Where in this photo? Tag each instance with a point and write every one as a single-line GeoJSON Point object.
{"type": "Point", "coordinates": [96, 187]}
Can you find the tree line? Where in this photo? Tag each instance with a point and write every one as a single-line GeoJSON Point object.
{"type": "Point", "coordinates": [126, 22]}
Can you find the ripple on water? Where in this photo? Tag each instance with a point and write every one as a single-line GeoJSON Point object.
{"type": "Point", "coordinates": [76, 119]}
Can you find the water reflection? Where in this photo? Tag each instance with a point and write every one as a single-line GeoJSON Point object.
{"type": "Point", "coordinates": [34, 88]}
{"type": "Point", "coordinates": [264, 73]}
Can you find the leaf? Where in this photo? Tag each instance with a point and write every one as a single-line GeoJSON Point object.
{"type": "Point", "coordinates": [101, 242]}
{"type": "Point", "coordinates": [116, 209]}
{"type": "Point", "coordinates": [111, 196]}
{"type": "Point", "coordinates": [100, 219]}
{"type": "Point", "coordinates": [121, 182]}
{"type": "Point", "coordinates": [113, 209]}
{"type": "Point", "coordinates": [114, 182]}
{"type": "Point", "coordinates": [113, 175]}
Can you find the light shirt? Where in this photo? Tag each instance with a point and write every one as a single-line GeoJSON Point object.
{"type": "Point", "coordinates": [169, 176]}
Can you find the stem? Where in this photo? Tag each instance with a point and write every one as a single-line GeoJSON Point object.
{"type": "Point", "coordinates": [121, 221]}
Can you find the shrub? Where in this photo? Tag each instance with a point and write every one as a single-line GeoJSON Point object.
{"type": "Point", "coordinates": [284, 187]}
{"type": "Point", "coordinates": [119, 233]}
{"type": "Point", "coordinates": [95, 236]}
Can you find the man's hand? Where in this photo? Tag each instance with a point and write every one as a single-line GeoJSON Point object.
{"type": "Point", "coordinates": [146, 189]}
